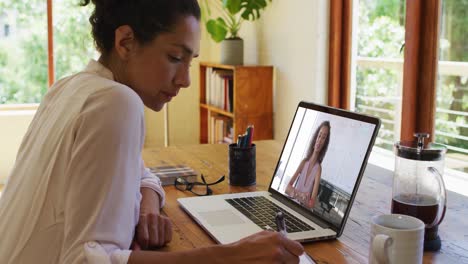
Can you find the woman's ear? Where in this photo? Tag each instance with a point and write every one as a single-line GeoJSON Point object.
{"type": "Point", "coordinates": [125, 41]}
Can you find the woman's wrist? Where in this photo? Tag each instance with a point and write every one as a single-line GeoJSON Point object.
{"type": "Point", "coordinates": [149, 201]}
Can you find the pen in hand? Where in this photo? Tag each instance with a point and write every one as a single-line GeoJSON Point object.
{"type": "Point", "coordinates": [281, 227]}
{"type": "Point", "coordinates": [280, 223]}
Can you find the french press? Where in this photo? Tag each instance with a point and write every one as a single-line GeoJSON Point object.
{"type": "Point", "coordinates": [418, 186]}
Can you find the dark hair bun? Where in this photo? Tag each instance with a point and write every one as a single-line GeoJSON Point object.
{"type": "Point", "coordinates": [147, 18]}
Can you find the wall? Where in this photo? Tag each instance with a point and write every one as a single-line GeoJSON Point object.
{"type": "Point", "coordinates": [13, 126]}
{"type": "Point", "coordinates": [293, 37]}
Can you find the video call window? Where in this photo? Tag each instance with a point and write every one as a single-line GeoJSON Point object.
{"type": "Point", "coordinates": [321, 160]}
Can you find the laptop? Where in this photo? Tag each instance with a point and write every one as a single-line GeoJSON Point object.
{"type": "Point", "coordinates": [314, 184]}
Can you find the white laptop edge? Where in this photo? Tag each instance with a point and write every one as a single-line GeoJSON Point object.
{"type": "Point", "coordinates": [214, 215]}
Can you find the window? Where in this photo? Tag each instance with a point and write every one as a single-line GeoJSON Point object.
{"type": "Point", "coordinates": [378, 63]}
{"type": "Point", "coordinates": [451, 126]}
{"type": "Point", "coordinates": [24, 49]}
{"type": "Point", "coordinates": [394, 72]}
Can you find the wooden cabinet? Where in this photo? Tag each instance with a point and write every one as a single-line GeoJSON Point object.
{"type": "Point", "coordinates": [233, 97]}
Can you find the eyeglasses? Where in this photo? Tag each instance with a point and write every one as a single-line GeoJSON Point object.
{"type": "Point", "coordinates": [198, 188]}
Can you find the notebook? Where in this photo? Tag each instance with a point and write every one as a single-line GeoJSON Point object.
{"type": "Point", "coordinates": [168, 173]}
{"type": "Point", "coordinates": [314, 184]}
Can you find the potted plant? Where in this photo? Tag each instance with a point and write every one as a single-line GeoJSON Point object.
{"type": "Point", "coordinates": [225, 28]}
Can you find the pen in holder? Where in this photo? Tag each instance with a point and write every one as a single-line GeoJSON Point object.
{"type": "Point", "coordinates": [242, 168]}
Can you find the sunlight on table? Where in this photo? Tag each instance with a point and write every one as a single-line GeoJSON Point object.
{"type": "Point", "coordinates": [455, 180]}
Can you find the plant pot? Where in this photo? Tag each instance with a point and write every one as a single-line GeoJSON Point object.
{"type": "Point", "coordinates": [232, 51]}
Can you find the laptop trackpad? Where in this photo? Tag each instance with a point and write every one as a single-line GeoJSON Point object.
{"type": "Point", "coordinates": [221, 217]}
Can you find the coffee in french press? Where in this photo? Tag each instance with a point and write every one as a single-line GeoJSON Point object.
{"type": "Point", "coordinates": [418, 186]}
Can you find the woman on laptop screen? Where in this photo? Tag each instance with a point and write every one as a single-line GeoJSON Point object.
{"type": "Point", "coordinates": [304, 185]}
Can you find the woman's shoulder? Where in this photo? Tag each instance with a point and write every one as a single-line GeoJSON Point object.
{"type": "Point", "coordinates": [114, 111]}
{"type": "Point", "coordinates": [118, 101]}
{"type": "Point", "coordinates": [117, 94]}
{"type": "Point", "coordinates": [104, 93]}
{"type": "Point", "coordinates": [89, 97]}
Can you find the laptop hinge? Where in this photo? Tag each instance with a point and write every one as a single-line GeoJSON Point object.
{"type": "Point", "coordinates": [304, 212]}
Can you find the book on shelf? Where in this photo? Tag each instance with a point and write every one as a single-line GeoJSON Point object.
{"type": "Point", "coordinates": [220, 128]}
{"type": "Point", "coordinates": [227, 140]}
{"type": "Point", "coordinates": [219, 88]}
{"type": "Point", "coordinates": [168, 173]}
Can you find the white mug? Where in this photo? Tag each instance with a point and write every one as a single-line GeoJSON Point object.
{"type": "Point", "coordinates": [396, 238]}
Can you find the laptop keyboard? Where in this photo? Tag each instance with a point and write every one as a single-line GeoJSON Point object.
{"type": "Point", "coordinates": [263, 211]}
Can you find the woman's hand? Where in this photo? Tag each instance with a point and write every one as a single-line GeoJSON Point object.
{"type": "Point", "coordinates": [265, 247]}
{"type": "Point", "coordinates": [153, 229]}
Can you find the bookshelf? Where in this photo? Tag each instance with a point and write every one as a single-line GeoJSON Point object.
{"type": "Point", "coordinates": [233, 97]}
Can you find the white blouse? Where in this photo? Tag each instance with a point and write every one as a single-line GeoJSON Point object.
{"type": "Point", "coordinates": [73, 195]}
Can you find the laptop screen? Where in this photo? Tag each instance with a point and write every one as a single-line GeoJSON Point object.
{"type": "Point", "coordinates": [321, 161]}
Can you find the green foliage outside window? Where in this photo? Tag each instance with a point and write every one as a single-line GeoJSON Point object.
{"type": "Point", "coordinates": [381, 35]}
{"type": "Point", "coordinates": [452, 91]}
{"type": "Point", "coordinates": [23, 54]}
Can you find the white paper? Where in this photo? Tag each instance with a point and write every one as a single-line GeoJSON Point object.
{"type": "Point", "coordinates": [305, 259]}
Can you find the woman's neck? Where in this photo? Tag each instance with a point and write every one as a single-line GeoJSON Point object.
{"type": "Point", "coordinates": [313, 157]}
{"type": "Point", "coordinates": [115, 66]}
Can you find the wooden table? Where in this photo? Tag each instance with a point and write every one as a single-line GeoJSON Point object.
{"type": "Point", "coordinates": [374, 197]}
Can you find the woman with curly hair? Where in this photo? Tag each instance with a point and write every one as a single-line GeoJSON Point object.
{"type": "Point", "coordinates": [79, 191]}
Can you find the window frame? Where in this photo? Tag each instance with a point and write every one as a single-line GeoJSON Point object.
{"type": "Point", "coordinates": [420, 68]}
{"type": "Point", "coordinates": [50, 44]}
{"type": "Point", "coordinates": [420, 63]}
{"type": "Point", "coordinates": [339, 53]}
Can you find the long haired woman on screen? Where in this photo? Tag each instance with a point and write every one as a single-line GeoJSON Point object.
{"type": "Point", "coordinates": [305, 182]}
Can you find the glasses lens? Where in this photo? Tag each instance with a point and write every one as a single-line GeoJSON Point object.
{"type": "Point", "coordinates": [200, 189]}
{"type": "Point", "coordinates": [180, 184]}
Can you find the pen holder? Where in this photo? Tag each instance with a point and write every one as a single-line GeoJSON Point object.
{"type": "Point", "coordinates": [242, 169]}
